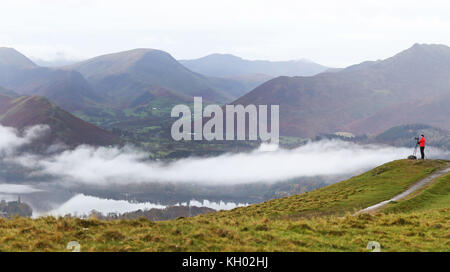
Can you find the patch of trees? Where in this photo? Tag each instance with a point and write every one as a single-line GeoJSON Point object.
{"type": "Point", "coordinates": [14, 208]}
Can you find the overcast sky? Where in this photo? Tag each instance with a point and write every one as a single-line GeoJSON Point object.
{"type": "Point", "coordinates": [333, 33]}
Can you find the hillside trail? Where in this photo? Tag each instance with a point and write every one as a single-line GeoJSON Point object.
{"type": "Point", "coordinates": [420, 184]}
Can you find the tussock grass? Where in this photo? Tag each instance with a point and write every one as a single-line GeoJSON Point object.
{"type": "Point", "coordinates": [413, 231]}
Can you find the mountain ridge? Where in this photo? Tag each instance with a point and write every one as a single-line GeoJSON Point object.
{"type": "Point", "coordinates": [67, 88]}
{"type": "Point", "coordinates": [27, 111]}
{"type": "Point", "coordinates": [352, 98]}
{"type": "Point", "coordinates": [228, 65]}
{"type": "Point", "coordinates": [13, 58]}
{"type": "Point", "coordinates": [147, 67]}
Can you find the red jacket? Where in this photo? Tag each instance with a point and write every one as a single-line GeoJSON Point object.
{"type": "Point", "coordinates": [422, 142]}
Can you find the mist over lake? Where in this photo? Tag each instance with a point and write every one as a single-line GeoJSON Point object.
{"type": "Point", "coordinates": [121, 179]}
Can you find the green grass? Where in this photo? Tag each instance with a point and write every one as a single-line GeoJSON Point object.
{"type": "Point", "coordinates": [435, 196]}
{"type": "Point", "coordinates": [321, 220]}
{"type": "Point", "coordinates": [376, 185]}
{"type": "Point", "coordinates": [419, 231]}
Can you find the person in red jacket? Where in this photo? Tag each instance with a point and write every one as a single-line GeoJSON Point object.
{"type": "Point", "coordinates": [421, 142]}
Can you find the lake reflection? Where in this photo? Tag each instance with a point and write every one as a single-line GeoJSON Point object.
{"type": "Point", "coordinates": [81, 205]}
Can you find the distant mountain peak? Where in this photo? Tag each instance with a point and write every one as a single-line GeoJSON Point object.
{"type": "Point", "coordinates": [221, 56]}
{"type": "Point", "coordinates": [428, 45]}
{"type": "Point", "coordinates": [227, 65]}
{"type": "Point", "coordinates": [419, 60]}
{"type": "Point", "coordinates": [10, 57]}
{"type": "Point", "coordinates": [136, 53]}
{"type": "Point", "coordinates": [141, 69]}
{"type": "Point", "coordinates": [422, 48]}
{"type": "Point", "coordinates": [116, 63]}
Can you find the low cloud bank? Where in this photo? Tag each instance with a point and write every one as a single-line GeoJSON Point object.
{"type": "Point", "coordinates": [17, 189]}
{"type": "Point", "coordinates": [10, 139]}
{"type": "Point", "coordinates": [101, 165]}
{"type": "Point", "coordinates": [81, 205]}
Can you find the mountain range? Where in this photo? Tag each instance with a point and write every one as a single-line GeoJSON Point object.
{"type": "Point", "coordinates": [68, 89]}
{"type": "Point", "coordinates": [250, 73]}
{"type": "Point", "coordinates": [121, 77]}
{"type": "Point", "coordinates": [411, 87]}
{"type": "Point", "coordinates": [141, 86]}
{"type": "Point", "coordinates": [118, 80]}
{"type": "Point", "coordinates": [134, 85]}
{"type": "Point", "coordinates": [226, 65]}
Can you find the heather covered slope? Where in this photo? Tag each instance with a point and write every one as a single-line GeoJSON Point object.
{"type": "Point", "coordinates": [410, 87]}
{"type": "Point", "coordinates": [320, 220]}
{"type": "Point", "coordinates": [27, 111]}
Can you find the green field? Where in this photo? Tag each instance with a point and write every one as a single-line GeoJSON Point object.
{"type": "Point", "coordinates": [320, 220]}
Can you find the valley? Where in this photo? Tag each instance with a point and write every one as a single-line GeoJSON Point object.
{"type": "Point", "coordinates": [88, 146]}
{"type": "Point", "coordinates": [131, 94]}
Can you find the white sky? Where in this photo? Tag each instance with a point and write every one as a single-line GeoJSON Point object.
{"type": "Point", "coordinates": [333, 33]}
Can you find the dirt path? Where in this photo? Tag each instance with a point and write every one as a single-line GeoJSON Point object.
{"type": "Point", "coordinates": [412, 189]}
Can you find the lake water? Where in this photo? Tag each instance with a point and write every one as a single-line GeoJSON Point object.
{"type": "Point", "coordinates": [81, 204]}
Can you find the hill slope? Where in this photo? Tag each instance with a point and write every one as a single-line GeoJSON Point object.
{"type": "Point", "coordinates": [404, 136]}
{"type": "Point", "coordinates": [9, 57]}
{"type": "Point", "coordinates": [6, 92]}
{"type": "Point", "coordinates": [410, 87]}
{"type": "Point", "coordinates": [27, 111]}
{"type": "Point", "coordinates": [305, 222]}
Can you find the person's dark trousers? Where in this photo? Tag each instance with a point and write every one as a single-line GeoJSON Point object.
{"type": "Point", "coordinates": [422, 152]}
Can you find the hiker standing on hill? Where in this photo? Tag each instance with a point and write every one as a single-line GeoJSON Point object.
{"type": "Point", "coordinates": [421, 142]}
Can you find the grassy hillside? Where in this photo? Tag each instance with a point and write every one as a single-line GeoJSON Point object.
{"type": "Point", "coordinates": [436, 196]}
{"type": "Point", "coordinates": [321, 220]}
{"type": "Point", "coordinates": [379, 184]}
